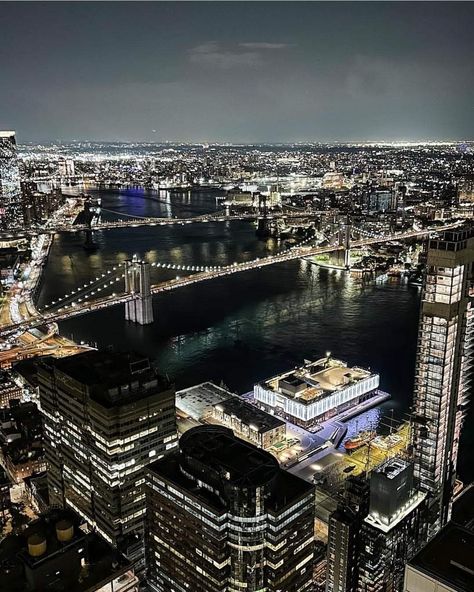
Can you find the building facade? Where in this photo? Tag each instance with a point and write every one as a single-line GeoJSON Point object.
{"type": "Point", "coordinates": [444, 357]}
{"type": "Point", "coordinates": [393, 530]}
{"type": "Point", "coordinates": [11, 210]}
{"type": "Point", "coordinates": [249, 422]}
{"type": "Point", "coordinates": [223, 517]}
{"type": "Point", "coordinates": [344, 529]}
{"type": "Point", "coordinates": [317, 391]}
{"type": "Point", "coordinates": [106, 416]}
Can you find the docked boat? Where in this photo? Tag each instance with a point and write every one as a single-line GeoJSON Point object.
{"type": "Point", "coordinates": [388, 442]}
{"type": "Point", "coordinates": [358, 441]}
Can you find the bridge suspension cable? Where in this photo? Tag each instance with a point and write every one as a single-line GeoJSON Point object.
{"type": "Point", "coordinates": [89, 288]}
{"type": "Point", "coordinates": [134, 216]}
{"type": "Point", "coordinates": [114, 275]}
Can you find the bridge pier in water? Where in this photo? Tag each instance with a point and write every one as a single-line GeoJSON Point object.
{"type": "Point", "coordinates": [342, 257]}
{"type": "Point", "coordinates": [89, 244]}
{"type": "Point", "coordinates": [137, 283]}
{"type": "Point", "coordinates": [263, 224]}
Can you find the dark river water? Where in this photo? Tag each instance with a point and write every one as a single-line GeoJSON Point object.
{"type": "Point", "coordinates": [245, 327]}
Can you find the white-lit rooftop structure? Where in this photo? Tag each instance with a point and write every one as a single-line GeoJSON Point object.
{"type": "Point", "coordinates": [316, 391]}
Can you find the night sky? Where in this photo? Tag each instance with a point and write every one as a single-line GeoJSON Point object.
{"type": "Point", "coordinates": [238, 72]}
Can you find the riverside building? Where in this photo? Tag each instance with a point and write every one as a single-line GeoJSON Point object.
{"type": "Point", "coordinates": [106, 416]}
{"type": "Point", "coordinates": [222, 517]}
{"type": "Point", "coordinates": [444, 359]}
{"type": "Point", "coordinates": [316, 391]}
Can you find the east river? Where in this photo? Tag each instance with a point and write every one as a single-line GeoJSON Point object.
{"type": "Point", "coordinates": [248, 326]}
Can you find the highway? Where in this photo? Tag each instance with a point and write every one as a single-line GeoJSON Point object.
{"type": "Point", "coordinates": [78, 308]}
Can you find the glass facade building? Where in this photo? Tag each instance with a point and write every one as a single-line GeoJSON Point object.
{"type": "Point", "coordinates": [345, 526]}
{"type": "Point", "coordinates": [444, 358]}
{"type": "Point", "coordinates": [223, 517]}
{"type": "Point", "coordinates": [11, 208]}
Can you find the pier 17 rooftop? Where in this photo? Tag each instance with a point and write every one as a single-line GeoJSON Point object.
{"type": "Point", "coordinates": [316, 391]}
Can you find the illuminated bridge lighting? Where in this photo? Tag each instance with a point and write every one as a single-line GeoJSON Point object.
{"type": "Point", "coordinates": [204, 273]}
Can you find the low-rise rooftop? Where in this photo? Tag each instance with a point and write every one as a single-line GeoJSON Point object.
{"type": "Point", "coordinates": [250, 415]}
{"type": "Point", "coordinates": [197, 401]}
{"type": "Point", "coordinates": [54, 553]}
{"type": "Point", "coordinates": [316, 379]}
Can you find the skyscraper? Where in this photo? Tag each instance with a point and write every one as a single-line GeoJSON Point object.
{"type": "Point", "coordinates": [106, 416]}
{"type": "Point", "coordinates": [444, 357]}
{"type": "Point", "coordinates": [11, 210]}
{"type": "Point", "coordinates": [393, 529]}
{"type": "Point", "coordinates": [345, 524]}
{"type": "Point", "coordinates": [223, 517]}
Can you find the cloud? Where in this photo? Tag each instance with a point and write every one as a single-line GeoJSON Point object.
{"type": "Point", "coordinates": [213, 54]}
{"type": "Point", "coordinates": [264, 45]}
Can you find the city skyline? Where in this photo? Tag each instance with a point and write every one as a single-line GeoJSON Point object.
{"type": "Point", "coordinates": [251, 72]}
{"type": "Point", "coordinates": [236, 296]}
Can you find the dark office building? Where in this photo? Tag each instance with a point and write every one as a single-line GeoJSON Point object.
{"type": "Point", "coordinates": [222, 517]}
{"type": "Point", "coordinates": [446, 563]}
{"type": "Point", "coordinates": [106, 416]}
{"type": "Point", "coordinates": [344, 537]}
{"type": "Point", "coordinates": [393, 529]}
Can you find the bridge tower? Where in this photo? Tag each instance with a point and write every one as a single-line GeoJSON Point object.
{"type": "Point", "coordinates": [347, 243]}
{"type": "Point", "coordinates": [263, 224]}
{"type": "Point", "coordinates": [137, 283]}
{"type": "Point", "coordinates": [343, 256]}
{"type": "Point", "coordinates": [89, 244]}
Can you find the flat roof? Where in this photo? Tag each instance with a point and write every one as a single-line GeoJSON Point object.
{"type": "Point", "coordinates": [237, 463]}
{"type": "Point", "coordinates": [249, 414]}
{"type": "Point", "coordinates": [113, 378]}
{"type": "Point", "coordinates": [322, 377]}
{"type": "Point", "coordinates": [449, 558]}
{"type": "Point", "coordinates": [198, 400]}
{"type": "Point", "coordinates": [103, 560]}
{"type": "Point", "coordinates": [392, 467]}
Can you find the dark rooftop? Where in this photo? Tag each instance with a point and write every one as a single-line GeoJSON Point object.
{"type": "Point", "coordinates": [250, 414]}
{"type": "Point", "coordinates": [15, 560]}
{"type": "Point", "coordinates": [449, 557]}
{"type": "Point", "coordinates": [210, 451]}
{"type": "Point", "coordinates": [113, 378]}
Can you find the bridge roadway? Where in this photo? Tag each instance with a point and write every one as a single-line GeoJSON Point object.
{"type": "Point", "coordinates": [135, 222]}
{"type": "Point", "coordinates": [74, 309]}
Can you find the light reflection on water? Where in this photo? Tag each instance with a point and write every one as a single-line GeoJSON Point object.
{"type": "Point", "coordinates": [244, 328]}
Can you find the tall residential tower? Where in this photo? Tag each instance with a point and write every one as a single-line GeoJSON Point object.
{"type": "Point", "coordinates": [444, 356]}
{"type": "Point", "coordinates": [11, 209]}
